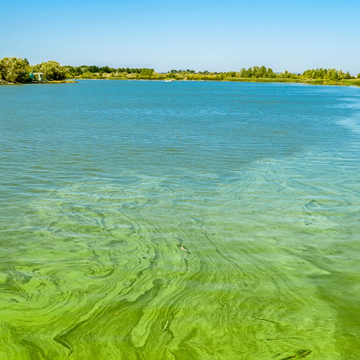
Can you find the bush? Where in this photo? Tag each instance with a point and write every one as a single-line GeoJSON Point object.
{"type": "Point", "coordinates": [88, 75]}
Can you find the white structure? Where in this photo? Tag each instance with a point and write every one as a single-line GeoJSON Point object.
{"type": "Point", "coordinates": [39, 76]}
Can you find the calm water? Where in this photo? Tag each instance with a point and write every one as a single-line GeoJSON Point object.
{"type": "Point", "coordinates": [104, 185]}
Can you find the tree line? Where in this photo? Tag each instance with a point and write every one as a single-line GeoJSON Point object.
{"type": "Point", "coordinates": [93, 69]}
{"type": "Point", "coordinates": [327, 74]}
{"type": "Point", "coordinates": [319, 74]}
{"type": "Point", "coordinates": [17, 70]}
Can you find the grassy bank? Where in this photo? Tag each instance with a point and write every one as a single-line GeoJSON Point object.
{"type": "Point", "coordinates": [221, 77]}
{"type": "Point", "coordinates": [344, 82]}
{"type": "Point", "coordinates": [2, 82]}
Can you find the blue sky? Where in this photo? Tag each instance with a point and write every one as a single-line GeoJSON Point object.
{"type": "Point", "coordinates": [200, 35]}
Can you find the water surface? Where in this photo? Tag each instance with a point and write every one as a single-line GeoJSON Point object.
{"type": "Point", "coordinates": [186, 220]}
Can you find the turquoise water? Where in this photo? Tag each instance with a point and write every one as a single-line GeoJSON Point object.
{"type": "Point", "coordinates": [186, 220]}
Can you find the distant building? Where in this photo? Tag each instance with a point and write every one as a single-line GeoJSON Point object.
{"type": "Point", "coordinates": [38, 75]}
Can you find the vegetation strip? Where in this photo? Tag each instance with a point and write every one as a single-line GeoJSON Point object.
{"type": "Point", "coordinates": [16, 70]}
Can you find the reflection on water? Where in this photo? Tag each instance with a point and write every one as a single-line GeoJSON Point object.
{"type": "Point", "coordinates": [145, 220]}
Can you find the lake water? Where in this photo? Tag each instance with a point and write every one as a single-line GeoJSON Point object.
{"type": "Point", "coordinates": [185, 220]}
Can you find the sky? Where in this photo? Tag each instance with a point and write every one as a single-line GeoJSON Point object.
{"type": "Point", "coordinates": [200, 35]}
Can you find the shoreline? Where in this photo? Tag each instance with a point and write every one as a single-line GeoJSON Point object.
{"type": "Point", "coordinates": [40, 83]}
{"type": "Point", "coordinates": [352, 82]}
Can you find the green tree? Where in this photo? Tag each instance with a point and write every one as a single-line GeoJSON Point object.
{"type": "Point", "coordinates": [256, 71]}
{"type": "Point", "coordinates": [13, 69]}
{"type": "Point", "coordinates": [321, 73]}
{"type": "Point", "coordinates": [87, 75]}
{"type": "Point", "coordinates": [243, 73]}
{"type": "Point", "coordinates": [271, 73]}
{"type": "Point", "coordinates": [146, 72]}
{"type": "Point", "coordinates": [262, 72]}
{"type": "Point", "coordinates": [334, 75]}
{"type": "Point", "coordinates": [52, 70]}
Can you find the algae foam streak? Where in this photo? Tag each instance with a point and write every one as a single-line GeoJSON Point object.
{"type": "Point", "coordinates": [191, 220]}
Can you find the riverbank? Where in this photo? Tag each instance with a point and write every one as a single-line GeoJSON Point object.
{"type": "Point", "coordinates": [164, 77]}
{"type": "Point", "coordinates": [345, 82]}
{"type": "Point", "coordinates": [3, 82]}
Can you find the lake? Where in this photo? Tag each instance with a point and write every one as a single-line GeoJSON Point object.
{"type": "Point", "coordinates": [184, 220]}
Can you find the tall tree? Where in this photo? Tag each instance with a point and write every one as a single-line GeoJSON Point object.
{"type": "Point", "coordinates": [52, 70]}
{"type": "Point", "coordinates": [13, 69]}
